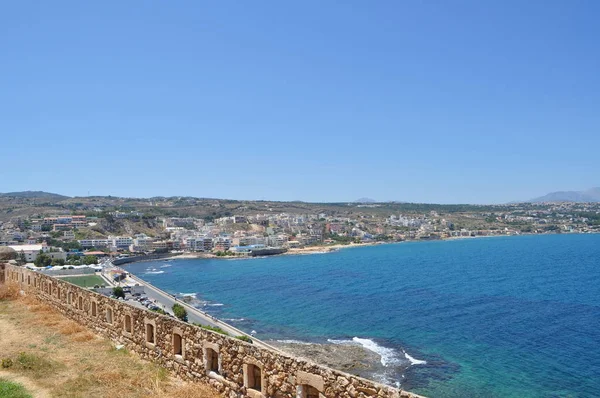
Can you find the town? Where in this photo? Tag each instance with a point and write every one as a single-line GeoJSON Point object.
{"type": "Point", "coordinates": [48, 230]}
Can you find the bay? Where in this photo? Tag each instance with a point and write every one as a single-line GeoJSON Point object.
{"type": "Point", "coordinates": [486, 317]}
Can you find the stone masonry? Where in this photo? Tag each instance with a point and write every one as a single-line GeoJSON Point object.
{"type": "Point", "coordinates": [233, 367]}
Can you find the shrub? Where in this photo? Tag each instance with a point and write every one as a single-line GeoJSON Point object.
{"type": "Point", "coordinates": [118, 292]}
{"type": "Point", "coordinates": [159, 311]}
{"type": "Point", "coordinates": [180, 312]}
{"type": "Point", "coordinates": [35, 365]}
{"type": "Point", "coordinates": [245, 338]}
{"type": "Point", "coordinates": [212, 328]}
{"type": "Point", "coordinates": [7, 363]}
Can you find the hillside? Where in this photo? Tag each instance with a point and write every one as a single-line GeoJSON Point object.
{"type": "Point", "coordinates": [34, 195]}
{"type": "Point", "coordinates": [52, 356]}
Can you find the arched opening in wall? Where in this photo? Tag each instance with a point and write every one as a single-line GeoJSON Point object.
{"type": "Point", "coordinates": [22, 278]}
{"type": "Point", "coordinates": [34, 282]}
{"type": "Point", "coordinates": [58, 292]}
{"type": "Point", "coordinates": [212, 360]}
{"type": "Point", "coordinates": [109, 315]}
{"type": "Point", "coordinates": [253, 377]}
{"type": "Point", "coordinates": [29, 280]}
{"type": "Point", "coordinates": [94, 308]}
{"type": "Point", "coordinates": [177, 344]}
{"type": "Point", "coordinates": [150, 333]}
{"type": "Point", "coordinates": [128, 323]}
{"type": "Point", "coordinates": [69, 297]}
{"type": "Point", "coordinates": [306, 391]}
{"type": "Point", "coordinates": [80, 303]}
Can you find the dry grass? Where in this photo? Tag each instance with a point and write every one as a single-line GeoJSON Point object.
{"type": "Point", "coordinates": [9, 291]}
{"type": "Point", "coordinates": [60, 358]}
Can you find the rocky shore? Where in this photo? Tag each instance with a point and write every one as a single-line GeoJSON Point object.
{"type": "Point", "coordinates": [350, 358]}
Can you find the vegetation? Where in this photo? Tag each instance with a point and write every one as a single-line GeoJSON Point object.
{"type": "Point", "coordinates": [224, 253]}
{"type": "Point", "coordinates": [9, 389]}
{"type": "Point", "coordinates": [118, 292]}
{"type": "Point", "coordinates": [42, 260]}
{"type": "Point", "coordinates": [66, 246]}
{"type": "Point", "coordinates": [88, 260]}
{"type": "Point", "coordinates": [53, 356]}
{"type": "Point", "coordinates": [345, 240]}
{"type": "Point", "coordinates": [160, 311]}
{"type": "Point", "coordinates": [36, 365]}
{"type": "Point", "coordinates": [212, 328]}
{"type": "Point", "coordinates": [180, 312]}
{"type": "Point", "coordinates": [244, 338]}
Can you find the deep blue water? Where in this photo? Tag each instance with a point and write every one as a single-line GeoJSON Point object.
{"type": "Point", "coordinates": [493, 317]}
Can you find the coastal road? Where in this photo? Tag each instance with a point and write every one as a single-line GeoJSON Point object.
{"type": "Point", "coordinates": [165, 300]}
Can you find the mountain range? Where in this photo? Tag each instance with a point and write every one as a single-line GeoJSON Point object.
{"type": "Point", "coordinates": [590, 195]}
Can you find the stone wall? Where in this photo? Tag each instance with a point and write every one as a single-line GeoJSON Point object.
{"type": "Point", "coordinates": [234, 367]}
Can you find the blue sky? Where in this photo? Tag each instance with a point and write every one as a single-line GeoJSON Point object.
{"type": "Point", "coordinates": [423, 101]}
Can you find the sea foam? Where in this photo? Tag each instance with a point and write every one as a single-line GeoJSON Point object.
{"type": "Point", "coordinates": [293, 342]}
{"type": "Point", "coordinates": [389, 356]}
{"type": "Point", "coordinates": [414, 361]}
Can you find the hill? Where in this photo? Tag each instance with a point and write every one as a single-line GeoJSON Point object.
{"type": "Point", "coordinates": [365, 200]}
{"type": "Point", "coordinates": [590, 195]}
{"type": "Point", "coordinates": [34, 195]}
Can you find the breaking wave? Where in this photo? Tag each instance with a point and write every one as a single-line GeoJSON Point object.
{"type": "Point", "coordinates": [293, 342]}
{"type": "Point", "coordinates": [389, 356]}
{"type": "Point", "coordinates": [414, 361]}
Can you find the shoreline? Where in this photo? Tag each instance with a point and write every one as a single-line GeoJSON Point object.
{"type": "Point", "coordinates": [325, 249]}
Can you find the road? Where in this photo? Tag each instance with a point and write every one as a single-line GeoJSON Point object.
{"type": "Point", "coordinates": [165, 300]}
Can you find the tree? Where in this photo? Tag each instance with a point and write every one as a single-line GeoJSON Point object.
{"type": "Point", "coordinates": [42, 260]}
{"type": "Point", "coordinates": [22, 259]}
{"type": "Point", "coordinates": [118, 292]}
{"type": "Point", "coordinates": [87, 260]}
{"type": "Point", "coordinates": [180, 312]}
{"type": "Point", "coordinates": [58, 261]}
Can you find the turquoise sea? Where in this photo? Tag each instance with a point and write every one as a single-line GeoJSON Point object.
{"type": "Point", "coordinates": [485, 317]}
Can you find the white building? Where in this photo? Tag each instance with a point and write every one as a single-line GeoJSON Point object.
{"type": "Point", "coordinates": [97, 243]}
{"type": "Point", "coordinates": [120, 242]}
{"type": "Point", "coordinates": [31, 251]}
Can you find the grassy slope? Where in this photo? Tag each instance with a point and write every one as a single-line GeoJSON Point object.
{"type": "Point", "coordinates": [57, 357]}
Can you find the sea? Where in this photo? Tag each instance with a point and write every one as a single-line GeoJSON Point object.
{"type": "Point", "coordinates": [507, 316]}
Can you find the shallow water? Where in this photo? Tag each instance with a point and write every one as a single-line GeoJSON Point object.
{"type": "Point", "coordinates": [492, 317]}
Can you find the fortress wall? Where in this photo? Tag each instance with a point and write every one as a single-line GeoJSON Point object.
{"type": "Point", "coordinates": [234, 367]}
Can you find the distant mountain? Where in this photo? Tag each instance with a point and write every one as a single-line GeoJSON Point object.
{"type": "Point", "coordinates": [34, 195]}
{"type": "Point", "coordinates": [590, 195]}
{"type": "Point", "coordinates": [365, 200]}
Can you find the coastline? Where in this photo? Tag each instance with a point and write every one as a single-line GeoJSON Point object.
{"type": "Point", "coordinates": [358, 360]}
{"type": "Point", "coordinates": [324, 249]}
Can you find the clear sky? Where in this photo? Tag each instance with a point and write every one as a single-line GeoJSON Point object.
{"type": "Point", "coordinates": [425, 101]}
